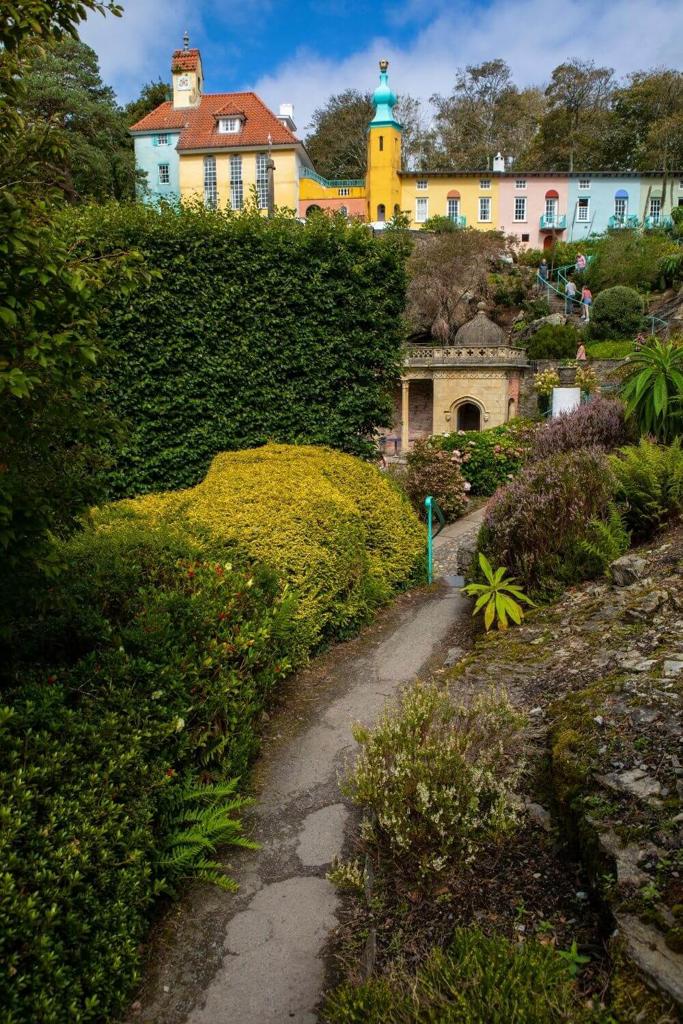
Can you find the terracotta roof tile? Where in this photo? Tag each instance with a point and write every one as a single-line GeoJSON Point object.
{"type": "Point", "coordinates": [185, 60]}
{"type": "Point", "coordinates": [199, 129]}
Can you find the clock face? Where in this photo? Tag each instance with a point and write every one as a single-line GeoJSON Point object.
{"type": "Point", "coordinates": [183, 82]}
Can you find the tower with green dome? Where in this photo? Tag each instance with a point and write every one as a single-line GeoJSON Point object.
{"type": "Point", "coordinates": [384, 152]}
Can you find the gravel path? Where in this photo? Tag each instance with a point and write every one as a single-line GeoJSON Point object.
{"type": "Point", "coordinates": [258, 957]}
{"type": "Point", "coordinates": [453, 546]}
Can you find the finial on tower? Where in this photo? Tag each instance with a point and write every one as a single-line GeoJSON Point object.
{"type": "Point", "coordinates": [186, 40]}
{"type": "Point", "coordinates": [384, 65]}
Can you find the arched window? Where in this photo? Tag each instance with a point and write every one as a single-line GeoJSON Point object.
{"type": "Point", "coordinates": [381, 143]}
{"type": "Point", "coordinates": [551, 201]}
{"type": "Point", "coordinates": [344, 211]}
{"type": "Point", "coordinates": [469, 416]}
{"type": "Point", "coordinates": [621, 206]}
{"type": "Point", "coordinates": [313, 209]}
{"type": "Point", "coordinates": [397, 209]}
{"type": "Point", "coordinates": [381, 212]}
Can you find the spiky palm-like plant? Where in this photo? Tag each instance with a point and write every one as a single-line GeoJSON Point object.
{"type": "Point", "coordinates": [653, 389]}
{"type": "Point", "coordinates": [500, 596]}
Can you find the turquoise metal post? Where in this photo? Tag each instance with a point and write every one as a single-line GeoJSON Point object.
{"type": "Point", "coordinates": [430, 550]}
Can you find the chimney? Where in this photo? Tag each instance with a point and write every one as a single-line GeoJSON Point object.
{"type": "Point", "coordinates": [286, 116]}
{"type": "Point", "coordinates": [498, 164]}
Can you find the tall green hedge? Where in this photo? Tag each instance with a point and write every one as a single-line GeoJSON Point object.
{"type": "Point", "coordinates": [251, 331]}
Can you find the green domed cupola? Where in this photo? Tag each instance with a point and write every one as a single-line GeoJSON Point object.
{"type": "Point", "coordinates": [384, 99]}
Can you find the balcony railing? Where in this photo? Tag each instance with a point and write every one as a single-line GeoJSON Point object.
{"type": "Point", "coordinates": [622, 221]}
{"type": "Point", "coordinates": [460, 221]}
{"type": "Point", "coordinates": [553, 222]}
{"type": "Point", "coordinates": [660, 220]}
{"type": "Point", "coordinates": [452, 355]}
{"type": "Point", "coordinates": [306, 172]}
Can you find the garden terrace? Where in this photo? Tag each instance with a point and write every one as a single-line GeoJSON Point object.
{"type": "Point", "coordinates": [452, 355]}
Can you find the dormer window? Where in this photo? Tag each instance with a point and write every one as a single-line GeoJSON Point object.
{"type": "Point", "coordinates": [421, 184]}
{"type": "Point", "coordinates": [485, 183]}
{"type": "Point", "coordinates": [229, 125]}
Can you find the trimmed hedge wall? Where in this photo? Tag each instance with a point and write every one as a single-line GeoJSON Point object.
{"type": "Point", "coordinates": [251, 331]}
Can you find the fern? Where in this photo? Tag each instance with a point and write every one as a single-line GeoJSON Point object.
{"type": "Point", "coordinates": [650, 484]}
{"type": "Point", "coordinates": [605, 540]}
{"type": "Point", "coordinates": [194, 822]}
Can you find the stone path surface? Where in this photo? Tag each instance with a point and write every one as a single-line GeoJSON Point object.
{"type": "Point", "coordinates": [258, 957]}
{"type": "Point", "coordinates": [453, 547]}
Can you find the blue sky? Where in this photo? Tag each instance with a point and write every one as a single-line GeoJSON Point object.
{"type": "Point", "coordinates": [301, 52]}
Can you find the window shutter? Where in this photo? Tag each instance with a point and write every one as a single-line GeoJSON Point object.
{"type": "Point", "coordinates": [155, 140]}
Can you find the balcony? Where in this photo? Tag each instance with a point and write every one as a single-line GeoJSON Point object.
{"type": "Point", "coordinates": [553, 222]}
{"type": "Point", "coordinates": [660, 220]}
{"type": "Point", "coordinates": [459, 221]}
{"type": "Point", "coordinates": [429, 356]}
{"type": "Point", "coordinates": [621, 221]}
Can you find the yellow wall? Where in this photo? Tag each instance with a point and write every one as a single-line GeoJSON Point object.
{"type": "Point", "coordinates": [312, 190]}
{"type": "Point", "coordinates": [286, 176]}
{"type": "Point", "coordinates": [382, 180]}
{"type": "Point", "coordinates": [437, 193]}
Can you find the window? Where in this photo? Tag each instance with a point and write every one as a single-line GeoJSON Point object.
{"type": "Point", "coordinates": [164, 174]}
{"type": "Point", "coordinates": [236, 186]}
{"type": "Point", "coordinates": [520, 207]}
{"type": "Point", "coordinates": [551, 210]}
{"type": "Point", "coordinates": [485, 183]}
{"type": "Point", "coordinates": [421, 210]}
{"type": "Point", "coordinates": [381, 143]}
{"type": "Point", "coordinates": [262, 180]}
{"type": "Point", "coordinates": [584, 184]}
{"type": "Point", "coordinates": [520, 183]}
{"type": "Point", "coordinates": [655, 209]}
{"type": "Point", "coordinates": [484, 208]}
{"type": "Point", "coordinates": [453, 209]}
{"type": "Point", "coordinates": [620, 208]}
{"type": "Point", "coordinates": [162, 140]}
{"type": "Point", "coordinates": [344, 192]}
{"type": "Point", "coordinates": [229, 125]}
{"type": "Point", "coordinates": [344, 211]}
{"type": "Point", "coordinates": [525, 238]}
{"type": "Point", "coordinates": [210, 193]}
{"type": "Point", "coordinates": [583, 209]}
{"type": "Point", "coordinates": [421, 185]}
{"type": "Point", "coordinates": [381, 213]}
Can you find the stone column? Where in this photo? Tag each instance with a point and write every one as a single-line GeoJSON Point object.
{"type": "Point", "coordinates": [405, 416]}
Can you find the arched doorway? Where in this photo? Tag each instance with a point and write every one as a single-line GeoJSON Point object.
{"type": "Point", "coordinates": [313, 209]}
{"type": "Point", "coordinates": [548, 242]}
{"type": "Point", "coordinates": [381, 212]}
{"type": "Point", "coordinates": [469, 416]}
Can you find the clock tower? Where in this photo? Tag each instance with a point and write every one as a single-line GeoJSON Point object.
{"type": "Point", "coordinates": [186, 69]}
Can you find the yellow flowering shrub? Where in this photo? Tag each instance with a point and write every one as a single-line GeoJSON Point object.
{"type": "Point", "coordinates": [335, 529]}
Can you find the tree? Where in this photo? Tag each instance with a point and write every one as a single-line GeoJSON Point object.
{"type": "Point", "coordinates": [649, 118]}
{"type": "Point", "coordinates": [151, 96]}
{"type": "Point", "coordinates": [579, 97]}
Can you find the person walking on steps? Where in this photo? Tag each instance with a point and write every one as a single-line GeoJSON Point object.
{"type": "Point", "coordinates": [580, 262]}
{"type": "Point", "coordinates": [586, 303]}
{"type": "Point", "coordinates": [543, 272]}
{"type": "Point", "coordinates": [570, 297]}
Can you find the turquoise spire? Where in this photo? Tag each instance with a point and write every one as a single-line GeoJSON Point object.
{"type": "Point", "coordinates": [384, 100]}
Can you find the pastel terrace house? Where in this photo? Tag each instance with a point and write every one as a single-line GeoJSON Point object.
{"type": "Point", "coordinates": [219, 147]}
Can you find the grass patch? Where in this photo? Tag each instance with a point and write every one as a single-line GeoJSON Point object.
{"type": "Point", "coordinates": [609, 349]}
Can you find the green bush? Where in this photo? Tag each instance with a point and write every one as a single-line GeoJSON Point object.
{"type": "Point", "coordinates": [609, 349]}
{"type": "Point", "coordinates": [627, 258]}
{"type": "Point", "coordinates": [476, 980]}
{"type": "Point", "coordinates": [652, 388]}
{"type": "Point", "coordinates": [508, 289]}
{"type": "Point", "coordinates": [253, 330]}
{"type": "Point", "coordinates": [146, 673]}
{"type": "Point", "coordinates": [616, 312]}
{"type": "Point", "coordinates": [435, 776]}
{"type": "Point", "coordinates": [649, 484]}
{"type": "Point", "coordinates": [431, 471]}
{"type": "Point", "coordinates": [333, 527]}
{"type": "Point", "coordinates": [534, 526]}
{"type": "Point", "coordinates": [534, 309]}
{"type": "Point", "coordinates": [488, 458]}
{"type": "Point", "coordinates": [553, 342]}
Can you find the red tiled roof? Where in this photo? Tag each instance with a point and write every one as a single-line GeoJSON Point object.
{"type": "Point", "coordinates": [229, 110]}
{"type": "Point", "coordinates": [198, 128]}
{"type": "Point", "coordinates": [185, 60]}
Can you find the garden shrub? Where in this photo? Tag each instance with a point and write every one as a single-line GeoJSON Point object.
{"type": "Point", "coordinates": [553, 341]}
{"type": "Point", "coordinates": [536, 308]}
{"type": "Point", "coordinates": [146, 674]}
{"type": "Point", "coordinates": [489, 458]}
{"type": "Point", "coordinates": [331, 525]}
{"type": "Point", "coordinates": [477, 979]}
{"type": "Point", "coordinates": [431, 470]}
{"type": "Point", "coordinates": [533, 526]}
{"type": "Point", "coordinates": [253, 330]}
{"type": "Point", "coordinates": [649, 484]}
{"type": "Point", "coordinates": [627, 258]}
{"type": "Point", "coordinates": [599, 423]}
{"type": "Point", "coordinates": [616, 313]}
{"type": "Point", "coordinates": [436, 777]}
{"type": "Point", "coordinates": [609, 349]}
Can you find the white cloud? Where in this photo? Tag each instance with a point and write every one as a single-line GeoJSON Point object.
{"type": "Point", "coordinates": [531, 35]}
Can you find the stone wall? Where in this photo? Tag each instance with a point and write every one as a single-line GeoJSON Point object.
{"type": "Point", "coordinates": [606, 370]}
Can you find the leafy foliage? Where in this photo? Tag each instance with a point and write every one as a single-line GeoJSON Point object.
{"type": "Point", "coordinates": [498, 597]}
{"type": "Point", "coordinates": [553, 342]}
{"type": "Point", "coordinates": [534, 525]}
{"type": "Point", "coordinates": [263, 350]}
{"type": "Point", "coordinates": [436, 777]}
{"type": "Point", "coordinates": [476, 980]}
{"type": "Point", "coordinates": [617, 313]}
{"type": "Point", "coordinates": [653, 389]}
{"type": "Point", "coordinates": [488, 458]}
{"type": "Point", "coordinates": [605, 540]}
{"type": "Point", "coordinates": [431, 470]}
{"type": "Point", "coordinates": [649, 484]}
{"type": "Point", "coordinates": [627, 258]}
{"type": "Point", "coordinates": [599, 423]}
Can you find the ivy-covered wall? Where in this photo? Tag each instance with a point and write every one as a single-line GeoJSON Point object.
{"type": "Point", "coordinates": [251, 331]}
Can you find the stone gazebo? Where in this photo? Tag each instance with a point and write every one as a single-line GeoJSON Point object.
{"type": "Point", "coordinates": [469, 385]}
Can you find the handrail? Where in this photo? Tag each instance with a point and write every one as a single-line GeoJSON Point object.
{"type": "Point", "coordinates": [431, 507]}
{"type": "Point", "coordinates": [306, 172]}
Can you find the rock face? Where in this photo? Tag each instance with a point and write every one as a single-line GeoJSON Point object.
{"type": "Point", "coordinates": [627, 570]}
{"type": "Point", "coordinates": [647, 948]}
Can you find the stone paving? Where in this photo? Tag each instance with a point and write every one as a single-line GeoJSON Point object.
{"type": "Point", "coordinates": [454, 546]}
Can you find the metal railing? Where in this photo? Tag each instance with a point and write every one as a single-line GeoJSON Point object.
{"type": "Point", "coordinates": [431, 507]}
{"type": "Point", "coordinates": [307, 172]}
{"type": "Point", "coordinates": [623, 221]}
{"type": "Point", "coordinates": [553, 222]}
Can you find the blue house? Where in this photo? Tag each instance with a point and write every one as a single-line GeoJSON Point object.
{"type": "Point", "coordinates": [156, 155]}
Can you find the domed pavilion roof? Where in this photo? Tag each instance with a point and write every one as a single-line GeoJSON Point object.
{"type": "Point", "coordinates": [480, 332]}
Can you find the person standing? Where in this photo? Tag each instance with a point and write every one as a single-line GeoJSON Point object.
{"type": "Point", "coordinates": [580, 262]}
{"type": "Point", "coordinates": [586, 303]}
{"type": "Point", "coordinates": [570, 296]}
{"type": "Point", "coordinates": [581, 353]}
{"type": "Point", "coordinates": [543, 271]}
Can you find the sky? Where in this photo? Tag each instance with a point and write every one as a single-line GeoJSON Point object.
{"type": "Point", "coordinates": [302, 51]}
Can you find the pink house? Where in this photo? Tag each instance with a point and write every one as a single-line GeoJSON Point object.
{"type": "Point", "coordinates": [533, 207]}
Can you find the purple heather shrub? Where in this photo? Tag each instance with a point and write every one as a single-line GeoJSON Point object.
{"type": "Point", "coordinates": [429, 470]}
{"type": "Point", "coordinates": [534, 524]}
{"type": "Point", "coordinates": [596, 424]}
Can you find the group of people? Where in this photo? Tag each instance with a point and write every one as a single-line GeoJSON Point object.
{"type": "Point", "coordinates": [570, 290]}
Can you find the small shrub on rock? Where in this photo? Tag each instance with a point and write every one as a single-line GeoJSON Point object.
{"type": "Point", "coordinates": [489, 458]}
{"type": "Point", "coordinates": [553, 342]}
{"type": "Point", "coordinates": [599, 423]}
{"type": "Point", "coordinates": [436, 776]}
{"type": "Point", "coordinates": [430, 470]}
{"type": "Point", "coordinates": [617, 313]}
{"type": "Point", "coordinates": [649, 484]}
{"type": "Point", "coordinates": [534, 525]}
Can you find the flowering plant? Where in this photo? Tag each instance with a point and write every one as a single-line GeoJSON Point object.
{"type": "Point", "coordinates": [545, 381]}
{"type": "Point", "coordinates": [587, 380]}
